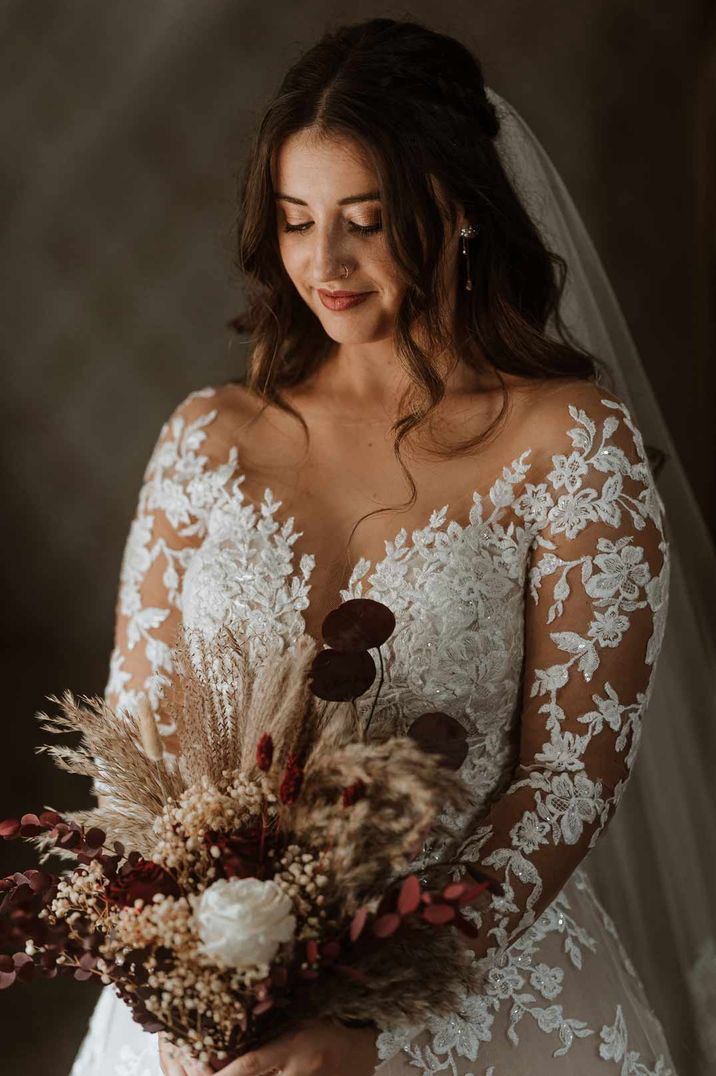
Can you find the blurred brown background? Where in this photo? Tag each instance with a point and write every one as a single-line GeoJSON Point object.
{"type": "Point", "coordinates": [122, 128]}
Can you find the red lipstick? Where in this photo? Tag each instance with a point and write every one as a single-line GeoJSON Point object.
{"type": "Point", "coordinates": [342, 300]}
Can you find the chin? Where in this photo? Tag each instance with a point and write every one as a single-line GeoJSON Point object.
{"type": "Point", "coordinates": [368, 333]}
{"type": "Point", "coordinates": [355, 337]}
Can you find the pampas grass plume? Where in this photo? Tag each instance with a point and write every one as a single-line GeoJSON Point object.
{"type": "Point", "coordinates": [148, 731]}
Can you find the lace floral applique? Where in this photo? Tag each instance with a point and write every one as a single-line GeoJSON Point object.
{"type": "Point", "coordinates": [537, 624]}
{"type": "Point", "coordinates": [597, 581]}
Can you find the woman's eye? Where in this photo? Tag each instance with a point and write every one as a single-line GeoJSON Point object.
{"type": "Point", "coordinates": [366, 229]}
{"type": "Point", "coordinates": [361, 229]}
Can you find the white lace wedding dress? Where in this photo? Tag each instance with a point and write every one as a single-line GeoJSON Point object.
{"type": "Point", "coordinates": [537, 623]}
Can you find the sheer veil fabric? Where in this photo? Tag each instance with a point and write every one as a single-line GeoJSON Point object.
{"type": "Point", "coordinates": [655, 869]}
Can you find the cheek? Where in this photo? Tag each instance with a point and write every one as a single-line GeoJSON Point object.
{"type": "Point", "coordinates": [291, 256]}
{"type": "Point", "coordinates": [384, 269]}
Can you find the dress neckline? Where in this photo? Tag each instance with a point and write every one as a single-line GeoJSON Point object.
{"type": "Point", "coordinates": [499, 494]}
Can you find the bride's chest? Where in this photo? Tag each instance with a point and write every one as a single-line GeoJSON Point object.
{"type": "Point", "coordinates": [455, 586]}
{"type": "Point", "coordinates": [349, 502]}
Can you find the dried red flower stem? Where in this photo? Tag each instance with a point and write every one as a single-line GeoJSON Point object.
{"type": "Point", "coordinates": [290, 786]}
{"type": "Point", "coordinates": [264, 752]}
{"type": "Point", "coordinates": [353, 793]}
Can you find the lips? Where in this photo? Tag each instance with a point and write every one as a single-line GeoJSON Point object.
{"type": "Point", "coordinates": [342, 300]}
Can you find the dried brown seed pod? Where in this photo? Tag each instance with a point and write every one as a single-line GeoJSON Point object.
{"type": "Point", "coordinates": [337, 677]}
{"type": "Point", "coordinates": [440, 734]}
{"type": "Point", "coordinates": [358, 624]}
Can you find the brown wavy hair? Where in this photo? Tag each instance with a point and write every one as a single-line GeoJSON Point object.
{"type": "Point", "coordinates": [415, 100]}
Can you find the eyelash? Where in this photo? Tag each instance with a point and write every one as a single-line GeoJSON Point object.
{"type": "Point", "coordinates": [359, 228]}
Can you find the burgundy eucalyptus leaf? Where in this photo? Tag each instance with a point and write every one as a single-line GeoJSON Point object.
{"type": "Point", "coordinates": [480, 876]}
{"type": "Point", "coordinates": [472, 892]}
{"type": "Point", "coordinates": [38, 880]}
{"type": "Point", "coordinates": [9, 828]}
{"type": "Point", "coordinates": [440, 734]}
{"type": "Point", "coordinates": [20, 895]}
{"type": "Point", "coordinates": [454, 890]}
{"type": "Point", "coordinates": [29, 829]}
{"type": "Point", "coordinates": [95, 837]}
{"type": "Point", "coordinates": [338, 677]}
{"type": "Point", "coordinates": [7, 978]}
{"type": "Point", "coordinates": [24, 967]}
{"type": "Point", "coordinates": [50, 818]}
{"type": "Point", "coordinates": [357, 923]}
{"type": "Point", "coordinates": [312, 950]}
{"type": "Point", "coordinates": [438, 914]}
{"type": "Point", "coordinates": [386, 925]}
{"type": "Point", "coordinates": [409, 897]}
{"type": "Point", "coordinates": [358, 624]}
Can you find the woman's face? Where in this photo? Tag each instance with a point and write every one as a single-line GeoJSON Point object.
{"type": "Point", "coordinates": [328, 216]}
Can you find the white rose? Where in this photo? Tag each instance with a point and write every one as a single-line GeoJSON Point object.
{"type": "Point", "coordinates": [242, 921]}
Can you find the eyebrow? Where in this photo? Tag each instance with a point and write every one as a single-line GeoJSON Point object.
{"type": "Point", "coordinates": [369, 196]}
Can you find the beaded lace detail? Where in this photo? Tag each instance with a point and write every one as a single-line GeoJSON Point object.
{"type": "Point", "coordinates": [536, 623]}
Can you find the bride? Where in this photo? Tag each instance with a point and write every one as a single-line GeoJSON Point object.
{"type": "Point", "coordinates": [419, 426]}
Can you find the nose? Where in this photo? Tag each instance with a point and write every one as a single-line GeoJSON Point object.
{"type": "Point", "coordinates": [329, 257]}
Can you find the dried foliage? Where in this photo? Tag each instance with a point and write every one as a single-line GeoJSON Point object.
{"type": "Point", "coordinates": [276, 785]}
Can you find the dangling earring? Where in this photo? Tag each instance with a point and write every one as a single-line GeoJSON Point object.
{"type": "Point", "coordinates": [467, 232]}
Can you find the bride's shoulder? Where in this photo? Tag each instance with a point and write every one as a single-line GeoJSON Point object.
{"type": "Point", "coordinates": [566, 415]}
{"type": "Point", "coordinates": [552, 406]}
{"type": "Point", "coordinates": [214, 415]}
{"type": "Point", "coordinates": [230, 399]}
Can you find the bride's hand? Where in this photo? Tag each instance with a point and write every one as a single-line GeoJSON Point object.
{"type": "Point", "coordinates": [173, 1063]}
{"type": "Point", "coordinates": [318, 1048]}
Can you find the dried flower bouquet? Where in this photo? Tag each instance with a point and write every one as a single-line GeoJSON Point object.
{"type": "Point", "coordinates": [260, 878]}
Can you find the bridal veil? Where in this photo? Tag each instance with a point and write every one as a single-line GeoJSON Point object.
{"type": "Point", "coordinates": [655, 868]}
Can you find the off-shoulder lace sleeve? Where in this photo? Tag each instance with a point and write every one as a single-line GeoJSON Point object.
{"type": "Point", "coordinates": [190, 468]}
{"type": "Point", "coordinates": [595, 611]}
{"type": "Point", "coordinates": [596, 597]}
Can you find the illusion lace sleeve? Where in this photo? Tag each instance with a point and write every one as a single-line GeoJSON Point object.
{"type": "Point", "coordinates": [595, 608]}
{"type": "Point", "coordinates": [189, 470]}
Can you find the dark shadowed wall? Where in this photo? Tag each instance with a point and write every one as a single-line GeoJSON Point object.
{"type": "Point", "coordinates": [122, 128]}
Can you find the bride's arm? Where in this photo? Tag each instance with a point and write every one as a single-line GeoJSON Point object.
{"type": "Point", "coordinates": [189, 467]}
{"type": "Point", "coordinates": [595, 608]}
{"type": "Point", "coordinates": [596, 599]}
